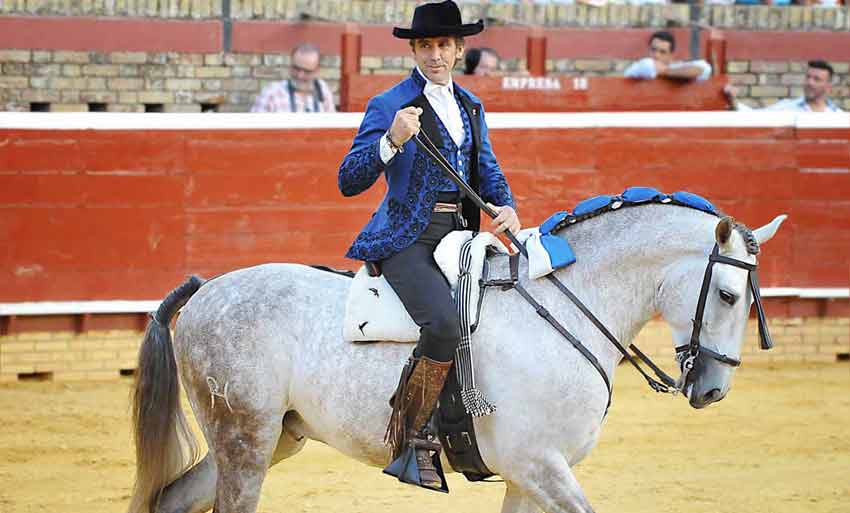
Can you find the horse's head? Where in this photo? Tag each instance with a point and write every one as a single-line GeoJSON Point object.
{"type": "Point", "coordinates": [707, 302]}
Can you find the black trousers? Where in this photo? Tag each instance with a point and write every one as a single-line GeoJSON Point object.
{"type": "Point", "coordinates": [425, 292]}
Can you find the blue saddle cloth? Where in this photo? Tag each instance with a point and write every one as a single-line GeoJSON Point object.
{"type": "Point", "coordinates": [558, 250]}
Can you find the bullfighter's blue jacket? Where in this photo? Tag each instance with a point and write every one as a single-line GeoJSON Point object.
{"type": "Point", "coordinates": [413, 178]}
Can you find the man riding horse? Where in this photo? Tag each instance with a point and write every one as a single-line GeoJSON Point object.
{"type": "Point", "coordinates": [422, 206]}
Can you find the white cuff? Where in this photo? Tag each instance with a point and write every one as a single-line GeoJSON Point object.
{"type": "Point", "coordinates": [387, 150]}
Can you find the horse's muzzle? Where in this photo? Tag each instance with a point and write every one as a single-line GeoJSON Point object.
{"type": "Point", "coordinates": [699, 401]}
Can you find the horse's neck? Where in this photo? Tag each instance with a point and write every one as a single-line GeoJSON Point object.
{"type": "Point", "coordinates": [622, 258]}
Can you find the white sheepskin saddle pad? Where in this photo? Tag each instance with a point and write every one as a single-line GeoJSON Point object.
{"type": "Point", "coordinates": [373, 311]}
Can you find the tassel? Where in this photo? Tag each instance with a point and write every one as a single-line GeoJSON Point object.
{"type": "Point", "coordinates": [476, 404]}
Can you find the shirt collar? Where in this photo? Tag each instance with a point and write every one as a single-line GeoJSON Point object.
{"type": "Point", "coordinates": [830, 106]}
{"type": "Point", "coordinates": [431, 86]}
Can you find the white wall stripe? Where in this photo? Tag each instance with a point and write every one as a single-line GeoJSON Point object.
{"type": "Point", "coordinates": [126, 306]}
{"type": "Point", "coordinates": [498, 120]}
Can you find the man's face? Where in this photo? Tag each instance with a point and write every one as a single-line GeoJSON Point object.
{"type": "Point", "coordinates": [818, 84]}
{"type": "Point", "coordinates": [661, 51]}
{"type": "Point", "coordinates": [436, 57]}
{"type": "Point", "coordinates": [488, 65]}
{"type": "Point", "coordinates": [304, 69]}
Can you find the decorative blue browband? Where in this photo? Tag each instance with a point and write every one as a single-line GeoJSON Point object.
{"type": "Point", "coordinates": [547, 252]}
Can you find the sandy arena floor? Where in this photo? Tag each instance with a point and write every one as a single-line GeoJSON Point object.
{"type": "Point", "coordinates": [779, 443]}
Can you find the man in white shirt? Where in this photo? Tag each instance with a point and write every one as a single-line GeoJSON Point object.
{"type": "Point", "coordinates": [816, 90]}
{"type": "Point", "coordinates": [303, 91]}
{"type": "Point", "coordinates": [421, 207]}
{"type": "Point", "coordinates": [660, 62]}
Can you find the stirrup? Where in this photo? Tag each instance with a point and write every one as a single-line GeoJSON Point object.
{"type": "Point", "coordinates": [406, 469]}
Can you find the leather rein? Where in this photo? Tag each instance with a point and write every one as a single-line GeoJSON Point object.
{"type": "Point", "coordinates": [686, 354]}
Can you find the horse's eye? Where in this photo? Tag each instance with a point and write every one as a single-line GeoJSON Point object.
{"type": "Point", "coordinates": [728, 297]}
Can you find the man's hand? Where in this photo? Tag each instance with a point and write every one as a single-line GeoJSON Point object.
{"type": "Point", "coordinates": [660, 68]}
{"type": "Point", "coordinates": [405, 125]}
{"type": "Point", "coordinates": [506, 219]}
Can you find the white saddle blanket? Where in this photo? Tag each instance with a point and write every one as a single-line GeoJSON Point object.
{"type": "Point", "coordinates": [373, 311]}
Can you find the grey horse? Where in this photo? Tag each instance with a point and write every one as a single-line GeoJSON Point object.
{"type": "Point", "coordinates": [260, 354]}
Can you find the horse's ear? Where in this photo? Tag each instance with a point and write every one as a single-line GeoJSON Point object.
{"type": "Point", "coordinates": [723, 231]}
{"type": "Point", "coordinates": [766, 232]}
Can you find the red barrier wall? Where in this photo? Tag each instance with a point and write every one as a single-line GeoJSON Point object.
{"type": "Point", "coordinates": [101, 214]}
{"type": "Point", "coordinates": [144, 34]}
{"type": "Point", "coordinates": [560, 94]}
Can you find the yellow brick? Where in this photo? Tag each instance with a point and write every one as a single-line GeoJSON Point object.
{"type": "Point", "coordinates": [783, 358]}
{"type": "Point", "coordinates": [8, 378]}
{"type": "Point", "coordinates": [67, 356]}
{"type": "Point", "coordinates": [818, 357]}
{"type": "Point", "coordinates": [100, 355]}
{"type": "Point", "coordinates": [788, 339]}
{"type": "Point", "coordinates": [17, 347]}
{"type": "Point", "coordinates": [69, 376]}
{"type": "Point", "coordinates": [50, 366]}
{"type": "Point", "coordinates": [36, 336]}
{"type": "Point", "coordinates": [18, 368]}
{"type": "Point", "coordinates": [85, 365]}
{"type": "Point", "coordinates": [52, 346]}
{"type": "Point", "coordinates": [85, 344]}
{"type": "Point", "coordinates": [63, 335]}
{"type": "Point", "coordinates": [29, 357]}
{"type": "Point", "coordinates": [833, 348]}
{"type": "Point", "coordinates": [120, 343]}
{"type": "Point", "coordinates": [130, 355]}
{"type": "Point", "coordinates": [110, 375]}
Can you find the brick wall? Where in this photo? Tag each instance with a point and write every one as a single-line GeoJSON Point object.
{"type": "Point", "coordinates": [108, 355]}
{"type": "Point", "coordinates": [68, 356]}
{"type": "Point", "coordinates": [807, 339]}
{"type": "Point", "coordinates": [184, 81]}
{"type": "Point", "coordinates": [229, 82]}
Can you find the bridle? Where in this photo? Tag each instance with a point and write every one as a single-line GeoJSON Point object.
{"type": "Point", "coordinates": [687, 354]}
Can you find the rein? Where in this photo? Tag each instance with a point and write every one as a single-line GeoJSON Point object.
{"type": "Point", "coordinates": [666, 384]}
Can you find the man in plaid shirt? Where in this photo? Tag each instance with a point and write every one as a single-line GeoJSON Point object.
{"type": "Point", "coordinates": [303, 91]}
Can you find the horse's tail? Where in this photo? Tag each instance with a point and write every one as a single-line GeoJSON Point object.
{"type": "Point", "coordinates": [165, 447]}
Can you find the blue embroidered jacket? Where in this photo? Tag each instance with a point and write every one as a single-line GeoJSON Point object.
{"type": "Point", "coordinates": [413, 178]}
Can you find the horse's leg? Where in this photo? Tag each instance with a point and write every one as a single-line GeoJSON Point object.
{"type": "Point", "coordinates": [194, 492]}
{"type": "Point", "coordinates": [550, 482]}
{"type": "Point", "coordinates": [516, 501]}
{"type": "Point", "coordinates": [243, 445]}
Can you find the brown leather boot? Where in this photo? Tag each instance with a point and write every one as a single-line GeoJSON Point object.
{"type": "Point", "coordinates": [419, 394]}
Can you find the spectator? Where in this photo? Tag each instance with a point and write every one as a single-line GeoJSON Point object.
{"type": "Point", "coordinates": [481, 61]}
{"type": "Point", "coordinates": [304, 91]}
{"type": "Point", "coordinates": [815, 97]}
{"type": "Point", "coordinates": [660, 62]}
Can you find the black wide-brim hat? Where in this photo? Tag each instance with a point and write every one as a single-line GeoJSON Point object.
{"type": "Point", "coordinates": [438, 20]}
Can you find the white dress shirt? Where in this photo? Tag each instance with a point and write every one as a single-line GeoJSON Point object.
{"type": "Point", "coordinates": [442, 100]}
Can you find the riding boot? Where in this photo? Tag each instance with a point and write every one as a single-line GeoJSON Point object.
{"type": "Point", "coordinates": [415, 399]}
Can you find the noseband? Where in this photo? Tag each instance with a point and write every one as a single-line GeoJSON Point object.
{"type": "Point", "coordinates": [687, 354]}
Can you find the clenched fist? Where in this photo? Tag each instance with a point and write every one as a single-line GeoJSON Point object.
{"type": "Point", "coordinates": [405, 125]}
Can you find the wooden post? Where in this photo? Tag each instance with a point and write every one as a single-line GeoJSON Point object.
{"type": "Point", "coordinates": [535, 50]}
{"type": "Point", "coordinates": [716, 52]}
{"type": "Point", "coordinates": [350, 52]}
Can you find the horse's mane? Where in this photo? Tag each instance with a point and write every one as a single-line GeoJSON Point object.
{"type": "Point", "coordinates": [638, 196]}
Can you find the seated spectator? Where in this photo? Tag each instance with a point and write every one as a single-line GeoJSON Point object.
{"type": "Point", "coordinates": [815, 97]}
{"type": "Point", "coordinates": [660, 62]}
{"type": "Point", "coordinates": [481, 61]}
{"type": "Point", "coordinates": [304, 91]}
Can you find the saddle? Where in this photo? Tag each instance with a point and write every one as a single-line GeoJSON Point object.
{"type": "Point", "coordinates": [373, 311]}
